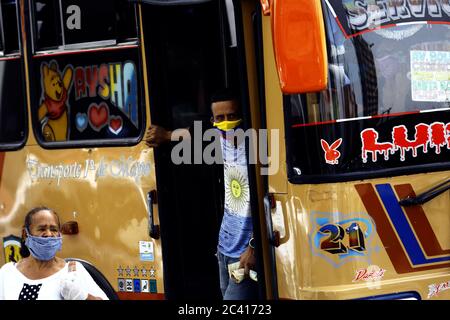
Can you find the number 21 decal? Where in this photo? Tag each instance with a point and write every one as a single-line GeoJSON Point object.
{"type": "Point", "coordinates": [335, 243]}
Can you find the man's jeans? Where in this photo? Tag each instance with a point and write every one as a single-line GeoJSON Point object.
{"type": "Point", "coordinates": [247, 289]}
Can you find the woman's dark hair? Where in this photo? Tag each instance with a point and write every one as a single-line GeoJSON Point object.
{"type": "Point", "coordinates": [24, 252]}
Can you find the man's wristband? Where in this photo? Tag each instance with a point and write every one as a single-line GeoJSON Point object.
{"type": "Point", "coordinates": [251, 243]}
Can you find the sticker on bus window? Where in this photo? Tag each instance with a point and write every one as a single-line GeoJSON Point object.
{"type": "Point", "coordinates": [430, 76]}
{"type": "Point", "coordinates": [360, 16]}
{"type": "Point", "coordinates": [146, 251]}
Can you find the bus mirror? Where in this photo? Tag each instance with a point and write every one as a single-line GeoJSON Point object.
{"type": "Point", "coordinates": [299, 44]}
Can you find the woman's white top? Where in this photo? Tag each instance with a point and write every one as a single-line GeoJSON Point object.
{"type": "Point", "coordinates": [15, 286]}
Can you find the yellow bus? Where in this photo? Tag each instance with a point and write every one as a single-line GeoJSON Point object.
{"type": "Point", "coordinates": [354, 202]}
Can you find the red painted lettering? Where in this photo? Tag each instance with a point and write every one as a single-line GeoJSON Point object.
{"type": "Point", "coordinates": [80, 83]}
{"type": "Point", "coordinates": [360, 274]}
{"type": "Point", "coordinates": [435, 135]}
{"type": "Point", "coordinates": [400, 138]}
{"type": "Point", "coordinates": [92, 80]}
{"type": "Point", "coordinates": [447, 131]}
{"type": "Point", "coordinates": [369, 138]}
{"type": "Point", "coordinates": [373, 275]}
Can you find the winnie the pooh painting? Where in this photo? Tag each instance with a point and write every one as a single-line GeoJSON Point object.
{"type": "Point", "coordinates": [53, 112]}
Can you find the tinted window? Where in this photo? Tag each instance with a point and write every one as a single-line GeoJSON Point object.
{"type": "Point", "coordinates": [387, 104]}
{"type": "Point", "coordinates": [83, 22]}
{"type": "Point", "coordinates": [88, 21]}
{"type": "Point", "coordinates": [10, 26]}
{"type": "Point", "coordinates": [47, 25]}
{"type": "Point", "coordinates": [1, 34]}
{"type": "Point", "coordinates": [12, 103]}
{"type": "Point", "coordinates": [88, 96]}
{"type": "Point", "coordinates": [13, 121]}
{"type": "Point", "coordinates": [125, 20]}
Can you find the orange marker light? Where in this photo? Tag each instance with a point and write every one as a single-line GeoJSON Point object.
{"type": "Point", "coordinates": [299, 45]}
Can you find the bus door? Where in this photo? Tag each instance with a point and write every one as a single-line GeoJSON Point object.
{"type": "Point", "coordinates": [191, 52]}
{"type": "Point", "coordinates": [84, 157]}
{"type": "Point", "coordinates": [367, 154]}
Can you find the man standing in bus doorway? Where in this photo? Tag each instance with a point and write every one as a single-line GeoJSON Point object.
{"type": "Point", "coordinates": [235, 244]}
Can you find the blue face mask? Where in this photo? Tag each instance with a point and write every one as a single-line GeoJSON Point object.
{"type": "Point", "coordinates": [43, 248]}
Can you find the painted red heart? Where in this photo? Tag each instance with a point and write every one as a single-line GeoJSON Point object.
{"type": "Point", "coordinates": [98, 115]}
{"type": "Point", "coordinates": [115, 124]}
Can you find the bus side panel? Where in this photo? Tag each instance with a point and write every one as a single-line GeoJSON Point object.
{"type": "Point", "coordinates": [353, 240]}
{"type": "Point", "coordinates": [104, 192]}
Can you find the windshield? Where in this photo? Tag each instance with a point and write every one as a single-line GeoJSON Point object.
{"type": "Point", "coordinates": [386, 109]}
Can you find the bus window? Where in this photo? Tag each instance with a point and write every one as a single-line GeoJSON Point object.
{"type": "Point", "coordinates": [87, 88]}
{"type": "Point", "coordinates": [125, 20]}
{"type": "Point", "coordinates": [84, 24]}
{"type": "Point", "coordinates": [88, 21]}
{"type": "Point", "coordinates": [386, 109]}
{"type": "Point", "coordinates": [1, 34]}
{"type": "Point", "coordinates": [13, 121]}
{"type": "Point", "coordinates": [10, 26]}
{"type": "Point", "coordinates": [47, 26]}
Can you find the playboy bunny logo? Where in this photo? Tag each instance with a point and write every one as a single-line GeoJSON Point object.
{"type": "Point", "coordinates": [331, 154]}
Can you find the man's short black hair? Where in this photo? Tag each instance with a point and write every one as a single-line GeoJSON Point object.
{"type": "Point", "coordinates": [225, 94]}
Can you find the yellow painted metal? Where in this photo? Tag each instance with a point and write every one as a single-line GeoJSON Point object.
{"type": "Point", "coordinates": [255, 113]}
{"type": "Point", "coordinates": [274, 108]}
{"type": "Point", "coordinates": [30, 139]}
{"type": "Point", "coordinates": [303, 272]}
{"type": "Point", "coordinates": [109, 207]}
{"type": "Point", "coordinates": [111, 210]}
{"type": "Point", "coordinates": [102, 193]}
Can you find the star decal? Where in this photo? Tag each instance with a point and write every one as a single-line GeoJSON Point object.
{"type": "Point", "coordinates": [136, 271]}
{"type": "Point", "coordinates": [120, 271]}
{"type": "Point", "coordinates": [128, 271]}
